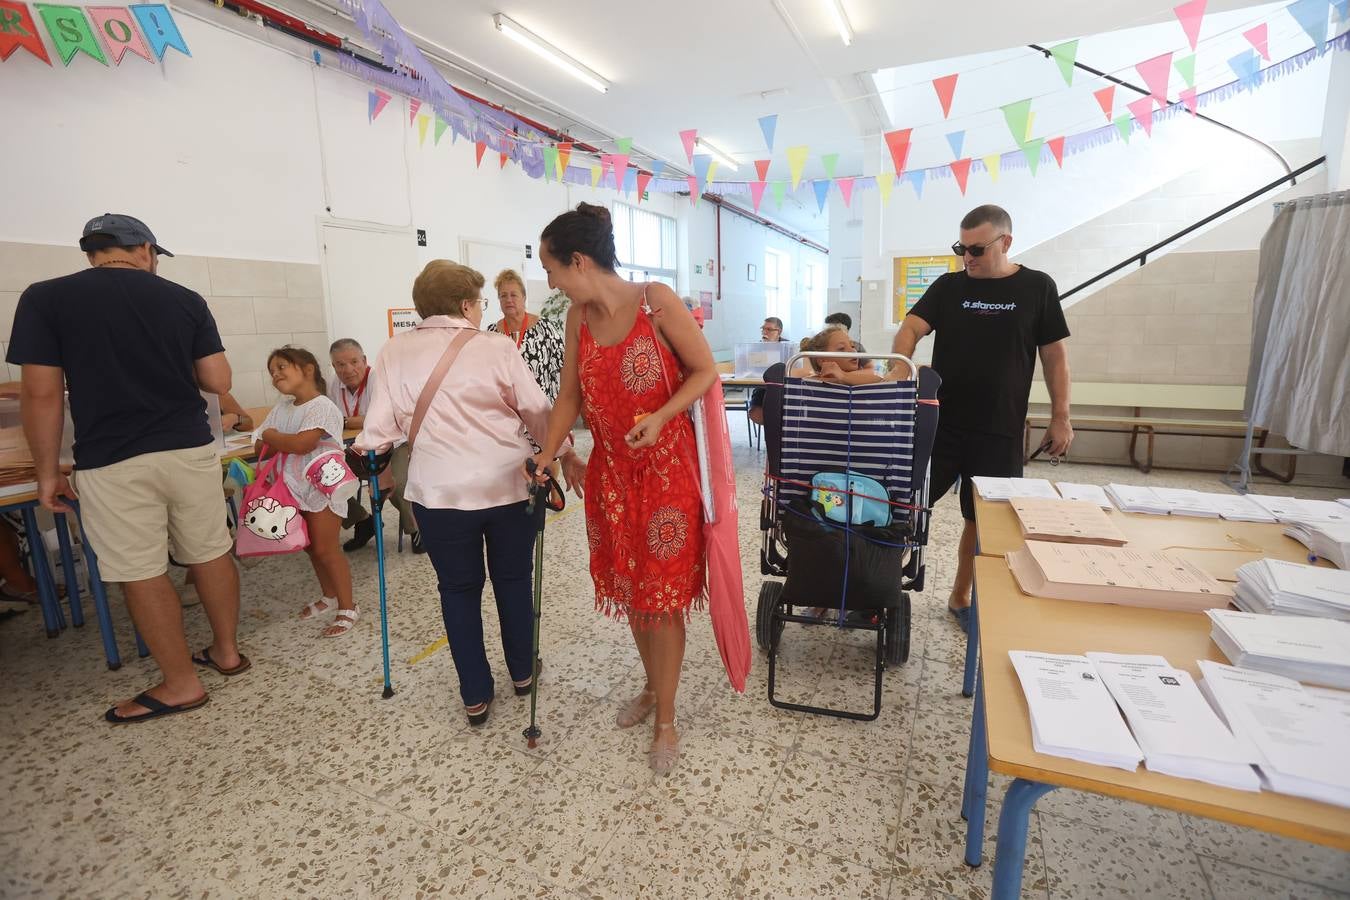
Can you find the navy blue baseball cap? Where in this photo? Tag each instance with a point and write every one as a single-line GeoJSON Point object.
{"type": "Point", "coordinates": [117, 230]}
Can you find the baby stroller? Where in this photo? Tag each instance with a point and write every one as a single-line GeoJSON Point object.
{"type": "Point", "coordinates": [860, 557]}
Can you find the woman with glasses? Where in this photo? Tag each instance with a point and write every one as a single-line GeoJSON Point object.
{"type": "Point", "coordinates": [540, 341]}
{"type": "Point", "coordinates": [464, 472]}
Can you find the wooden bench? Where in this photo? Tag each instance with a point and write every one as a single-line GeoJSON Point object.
{"type": "Point", "coordinates": [1146, 401]}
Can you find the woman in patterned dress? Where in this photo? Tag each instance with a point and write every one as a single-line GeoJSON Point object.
{"type": "Point", "coordinates": [635, 362]}
{"type": "Point", "coordinates": [539, 340]}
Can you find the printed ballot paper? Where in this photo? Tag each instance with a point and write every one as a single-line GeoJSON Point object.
{"type": "Point", "coordinates": [1115, 575]}
{"type": "Point", "coordinates": [1274, 586]}
{"type": "Point", "coordinates": [1068, 521]}
{"type": "Point", "coordinates": [1008, 488]}
{"type": "Point", "coordinates": [1072, 714]}
{"type": "Point", "coordinates": [1092, 492]}
{"type": "Point", "coordinates": [1176, 729]}
{"type": "Point", "coordinates": [1298, 647]}
{"type": "Point", "coordinates": [1300, 736]}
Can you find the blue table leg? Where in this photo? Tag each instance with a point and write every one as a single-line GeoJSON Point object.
{"type": "Point", "coordinates": [100, 595]}
{"type": "Point", "coordinates": [141, 650]}
{"type": "Point", "coordinates": [1010, 858]}
{"type": "Point", "coordinates": [52, 617]}
{"type": "Point", "coordinates": [68, 566]}
{"type": "Point", "coordinates": [977, 778]}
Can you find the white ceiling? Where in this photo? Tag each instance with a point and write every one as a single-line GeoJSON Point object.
{"type": "Point", "coordinates": [705, 64]}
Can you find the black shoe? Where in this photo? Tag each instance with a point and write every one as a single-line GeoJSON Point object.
{"type": "Point", "coordinates": [524, 691]}
{"type": "Point", "coordinates": [363, 534]}
{"type": "Point", "coordinates": [480, 718]}
{"type": "Point", "coordinates": [417, 543]}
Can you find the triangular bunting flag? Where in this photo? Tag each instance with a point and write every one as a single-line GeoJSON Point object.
{"type": "Point", "coordinates": [422, 122]}
{"type": "Point", "coordinates": [643, 179]}
{"type": "Point", "coordinates": [503, 156]}
{"type": "Point", "coordinates": [596, 172]}
{"type": "Point", "coordinates": [629, 179]}
{"type": "Point", "coordinates": [898, 143]}
{"type": "Point", "coordinates": [1123, 126]}
{"type": "Point", "coordinates": [956, 140]}
{"type": "Point", "coordinates": [1056, 146]}
{"type": "Point", "coordinates": [478, 148]}
{"type": "Point", "coordinates": [657, 168]}
{"type": "Point", "coordinates": [606, 163]}
{"type": "Point", "coordinates": [1342, 8]}
{"type": "Point", "coordinates": [625, 146]}
{"type": "Point", "coordinates": [757, 192]}
{"type": "Point", "coordinates": [159, 28]}
{"type": "Point", "coordinates": [915, 180]}
{"type": "Point", "coordinates": [1186, 69]}
{"type": "Point", "coordinates": [845, 189]}
{"type": "Point", "coordinates": [619, 163]}
{"type": "Point", "coordinates": [829, 161]}
{"type": "Point", "coordinates": [779, 189]}
{"type": "Point", "coordinates": [822, 189]}
{"type": "Point", "coordinates": [1017, 115]}
{"type": "Point", "coordinates": [564, 156]}
{"type": "Point", "coordinates": [21, 31]}
{"type": "Point", "coordinates": [1257, 37]}
{"type": "Point", "coordinates": [1189, 98]}
{"type": "Point", "coordinates": [961, 170]}
{"type": "Point", "coordinates": [377, 101]}
{"type": "Point", "coordinates": [1032, 150]}
{"type": "Point", "coordinates": [768, 125]}
{"type": "Point", "coordinates": [413, 106]}
{"type": "Point", "coordinates": [1142, 110]}
{"type": "Point", "coordinates": [1155, 73]}
{"type": "Point", "coordinates": [885, 184]}
{"type": "Point", "coordinates": [689, 139]}
{"type": "Point", "coordinates": [797, 162]}
{"type": "Point", "coordinates": [712, 173]}
{"type": "Point", "coordinates": [693, 190]}
{"type": "Point", "coordinates": [1190, 15]}
{"type": "Point", "coordinates": [1247, 66]}
{"type": "Point", "coordinates": [439, 130]}
{"type": "Point", "coordinates": [550, 163]}
{"type": "Point", "coordinates": [1311, 16]}
{"type": "Point", "coordinates": [1065, 54]}
{"type": "Point", "coordinates": [945, 87]}
{"type": "Point", "coordinates": [991, 163]}
{"type": "Point", "coordinates": [762, 168]}
{"type": "Point", "coordinates": [1106, 99]}
{"type": "Point", "coordinates": [702, 165]}
{"type": "Point", "coordinates": [1031, 122]}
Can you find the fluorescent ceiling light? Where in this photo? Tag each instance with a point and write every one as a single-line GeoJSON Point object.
{"type": "Point", "coordinates": [544, 49]}
{"type": "Point", "coordinates": [836, 8]}
{"type": "Point", "coordinates": [716, 154]}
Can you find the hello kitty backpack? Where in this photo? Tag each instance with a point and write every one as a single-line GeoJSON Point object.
{"type": "Point", "coordinates": [269, 518]}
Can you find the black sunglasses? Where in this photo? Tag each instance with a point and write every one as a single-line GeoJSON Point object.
{"type": "Point", "coordinates": [975, 250]}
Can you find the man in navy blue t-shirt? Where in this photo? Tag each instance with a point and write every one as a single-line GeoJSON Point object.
{"type": "Point", "coordinates": [991, 321]}
{"type": "Point", "coordinates": [134, 351]}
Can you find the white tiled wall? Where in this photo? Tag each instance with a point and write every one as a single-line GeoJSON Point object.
{"type": "Point", "coordinates": [258, 305]}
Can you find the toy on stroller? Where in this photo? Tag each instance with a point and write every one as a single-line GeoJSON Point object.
{"type": "Point", "coordinates": [845, 512]}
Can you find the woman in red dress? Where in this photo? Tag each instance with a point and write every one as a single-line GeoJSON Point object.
{"type": "Point", "coordinates": [635, 362]}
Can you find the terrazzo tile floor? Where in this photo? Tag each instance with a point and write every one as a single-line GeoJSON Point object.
{"type": "Point", "coordinates": [299, 780]}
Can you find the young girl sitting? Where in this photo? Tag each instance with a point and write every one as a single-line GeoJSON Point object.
{"type": "Point", "coordinates": [306, 425]}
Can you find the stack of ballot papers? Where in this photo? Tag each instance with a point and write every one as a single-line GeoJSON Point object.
{"type": "Point", "coordinates": [1299, 734]}
{"type": "Point", "coordinates": [1072, 714]}
{"type": "Point", "coordinates": [1093, 493]}
{"type": "Point", "coordinates": [1239, 508]}
{"type": "Point", "coordinates": [1276, 587]}
{"type": "Point", "coordinates": [1008, 488]}
{"type": "Point", "coordinates": [1298, 647]}
{"type": "Point", "coordinates": [1069, 521]}
{"type": "Point", "coordinates": [1134, 499]}
{"type": "Point", "coordinates": [1115, 575]}
{"type": "Point", "coordinates": [1177, 730]}
{"type": "Point", "coordinates": [1162, 501]}
{"type": "Point", "coordinates": [1325, 540]}
{"type": "Point", "coordinates": [1296, 509]}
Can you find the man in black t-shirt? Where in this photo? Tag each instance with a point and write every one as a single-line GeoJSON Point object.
{"type": "Point", "coordinates": [134, 351]}
{"type": "Point", "coordinates": [991, 321]}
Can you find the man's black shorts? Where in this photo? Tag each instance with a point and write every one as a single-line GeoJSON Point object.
{"type": "Point", "coordinates": [961, 453]}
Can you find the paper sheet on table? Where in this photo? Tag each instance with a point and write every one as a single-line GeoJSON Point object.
{"type": "Point", "coordinates": [1092, 492]}
{"type": "Point", "coordinates": [1115, 575]}
{"type": "Point", "coordinates": [1070, 521]}
{"type": "Point", "coordinates": [1072, 715]}
{"type": "Point", "coordinates": [1006, 488]}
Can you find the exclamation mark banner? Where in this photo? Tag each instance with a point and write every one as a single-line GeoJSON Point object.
{"type": "Point", "coordinates": [159, 28]}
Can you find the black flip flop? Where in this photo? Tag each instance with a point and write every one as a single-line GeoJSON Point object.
{"type": "Point", "coordinates": [157, 709]}
{"type": "Point", "coordinates": [204, 659]}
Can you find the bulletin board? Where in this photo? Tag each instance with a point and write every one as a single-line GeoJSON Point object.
{"type": "Point", "coordinates": [913, 275]}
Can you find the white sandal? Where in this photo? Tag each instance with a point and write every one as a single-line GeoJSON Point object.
{"type": "Point", "coordinates": [312, 610]}
{"type": "Point", "coordinates": [345, 619]}
{"type": "Point", "coordinates": [636, 710]}
{"type": "Point", "coordinates": [663, 759]}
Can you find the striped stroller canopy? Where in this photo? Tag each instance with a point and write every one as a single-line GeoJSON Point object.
{"type": "Point", "coordinates": [867, 429]}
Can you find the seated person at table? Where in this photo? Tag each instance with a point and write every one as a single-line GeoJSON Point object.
{"type": "Point", "coordinates": [16, 585]}
{"type": "Point", "coordinates": [769, 332]}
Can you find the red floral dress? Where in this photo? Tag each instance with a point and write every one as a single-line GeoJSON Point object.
{"type": "Point", "coordinates": [644, 515]}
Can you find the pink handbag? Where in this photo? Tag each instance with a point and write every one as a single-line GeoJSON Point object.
{"type": "Point", "coordinates": [331, 477]}
{"type": "Point", "coordinates": [269, 518]}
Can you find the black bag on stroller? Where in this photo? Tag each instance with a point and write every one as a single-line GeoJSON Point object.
{"type": "Point", "coordinates": [819, 553]}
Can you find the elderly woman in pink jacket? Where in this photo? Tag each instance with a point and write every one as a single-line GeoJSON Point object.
{"type": "Point", "coordinates": [468, 444]}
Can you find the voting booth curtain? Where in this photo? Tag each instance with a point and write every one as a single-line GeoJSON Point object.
{"type": "Point", "coordinates": [1299, 366]}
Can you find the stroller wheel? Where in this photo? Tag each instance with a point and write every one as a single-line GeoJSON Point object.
{"type": "Point", "coordinates": [897, 633]}
{"type": "Point", "coordinates": [769, 594]}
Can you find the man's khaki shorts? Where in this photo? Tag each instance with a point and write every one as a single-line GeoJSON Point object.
{"type": "Point", "coordinates": [131, 510]}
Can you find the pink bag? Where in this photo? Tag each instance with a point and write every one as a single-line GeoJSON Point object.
{"type": "Point", "coordinates": [269, 518]}
{"type": "Point", "coordinates": [331, 477]}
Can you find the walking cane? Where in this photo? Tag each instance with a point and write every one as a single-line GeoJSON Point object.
{"type": "Point", "coordinates": [537, 510]}
{"type": "Point", "coordinates": [379, 559]}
